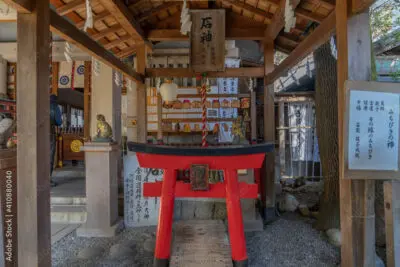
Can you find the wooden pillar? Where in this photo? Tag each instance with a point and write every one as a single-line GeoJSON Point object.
{"type": "Point", "coordinates": [86, 99]}
{"type": "Point", "coordinates": [392, 221]}
{"type": "Point", "coordinates": [357, 215]}
{"type": "Point", "coordinates": [33, 124]}
{"type": "Point", "coordinates": [159, 117]}
{"type": "Point", "coordinates": [141, 95]}
{"type": "Point", "coordinates": [268, 183]}
{"type": "Point", "coordinates": [54, 80]}
{"type": "Point", "coordinates": [253, 116]}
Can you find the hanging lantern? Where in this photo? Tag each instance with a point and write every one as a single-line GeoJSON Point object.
{"type": "Point", "coordinates": [169, 91]}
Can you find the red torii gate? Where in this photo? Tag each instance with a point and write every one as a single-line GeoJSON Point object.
{"type": "Point", "coordinates": [228, 159]}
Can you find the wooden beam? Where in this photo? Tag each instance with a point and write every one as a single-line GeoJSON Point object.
{"type": "Point", "coordinates": [268, 177]}
{"type": "Point", "coordinates": [33, 150]}
{"type": "Point", "coordinates": [124, 17]}
{"type": "Point", "coordinates": [70, 33]}
{"type": "Point", "coordinates": [231, 34]}
{"type": "Point", "coordinates": [187, 73]}
{"type": "Point", "coordinates": [250, 8]}
{"type": "Point", "coordinates": [319, 36]}
{"type": "Point", "coordinates": [305, 14]}
{"type": "Point", "coordinates": [54, 79]}
{"type": "Point", "coordinates": [253, 116]}
{"type": "Point", "coordinates": [155, 11]}
{"type": "Point", "coordinates": [278, 21]}
{"type": "Point", "coordinates": [126, 52]}
{"type": "Point", "coordinates": [357, 211]}
{"type": "Point", "coordinates": [21, 6]}
{"type": "Point", "coordinates": [359, 6]}
{"type": "Point", "coordinates": [141, 98]}
{"type": "Point", "coordinates": [70, 7]}
{"type": "Point", "coordinates": [86, 99]}
{"type": "Point", "coordinates": [117, 42]}
{"type": "Point", "coordinates": [392, 222]}
{"type": "Point", "coordinates": [102, 15]}
{"type": "Point", "coordinates": [104, 33]}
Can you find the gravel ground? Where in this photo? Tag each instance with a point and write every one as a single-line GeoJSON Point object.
{"type": "Point", "coordinates": [290, 241]}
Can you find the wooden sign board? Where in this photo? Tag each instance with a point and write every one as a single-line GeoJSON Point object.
{"type": "Point", "coordinates": [199, 177]}
{"type": "Point", "coordinates": [371, 130]}
{"type": "Point", "coordinates": [207, 40]}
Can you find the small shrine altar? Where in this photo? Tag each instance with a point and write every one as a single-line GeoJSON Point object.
{"type": "Point", "coordinates": [199, 160]}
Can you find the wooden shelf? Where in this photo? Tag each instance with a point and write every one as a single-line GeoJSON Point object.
{"type": "Point", "coordinates": [213, 95]}
{"type": "Point", "coordinates": [178, 133]}
{"type": "Point", "coordinates": [197, 120]}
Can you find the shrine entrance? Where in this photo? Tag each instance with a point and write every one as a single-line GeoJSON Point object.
{"type": "Point", "coordinates": [174, 136]}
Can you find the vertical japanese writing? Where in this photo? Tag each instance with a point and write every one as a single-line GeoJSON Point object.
{"type": "Point", "coordinates": [370, 137]}
{"type": "Point", "coordinates": [391, 141]}
{"type": "Point", "coordinates": [357, 152]}
{"type": "Point", "coordinates": [138, 183]}
{"type": "Point", "coordinates": [206, 33]}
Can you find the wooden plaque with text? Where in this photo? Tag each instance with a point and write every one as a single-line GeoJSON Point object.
{"type": "Point", "coordinates": [207, 40]}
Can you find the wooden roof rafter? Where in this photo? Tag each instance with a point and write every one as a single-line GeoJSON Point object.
{"type": "Point", "coordinates": [125, 18]}
{"type": "Point", "coordinates": [305, 14]}
{"type": "Point", "coordinates": [70, 7]}
{"type": "Point", "coordinates": [78, 38]}
{"type": "Point", "coordinates": [98, 17]}
{"type": "Point", "coordinates": [250, 8]}
{"type": "Point", "coordinates": [155, 11]}
{"type": "Point", "coordinates": [22, 6]}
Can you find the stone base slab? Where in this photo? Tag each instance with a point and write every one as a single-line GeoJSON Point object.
{"type": "Point", "coordinates": [85, 231]}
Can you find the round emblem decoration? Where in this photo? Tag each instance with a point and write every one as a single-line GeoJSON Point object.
{"type": "Point", "coordinates": [64, 80]}
{"type": "Point", "coordinates": [76, 145]}
{"type": "Point", "coordinates": [80, 70]}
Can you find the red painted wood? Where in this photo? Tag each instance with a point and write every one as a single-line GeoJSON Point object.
{"type": "Point", "coordinates": [235, 218]}
{"type": "Point", "coordinates": [251, 161]}
{"type": "Point", "coordinates": [165, 219]}
{"type": "Point", "coordinates": [216, 190]}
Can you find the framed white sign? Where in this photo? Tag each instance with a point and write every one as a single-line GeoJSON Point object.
{"type": "Point", "coordinates": [371, 130]}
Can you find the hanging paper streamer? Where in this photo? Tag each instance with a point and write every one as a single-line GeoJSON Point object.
{"type": "Point", "coordinates": [333, 47]}
{"type": "Point", "coordinates": [68, 52]}
{"type": "Point", "coordinates": [117, 79]}
{"type": "Point", "coordinates": [96, 67]}
{"type": "Point", "coordinates": [89, 16]}
{"type": "Point", "coordinates": [290, 19]}
{"type": "Point", "coordinates": [186, 24]}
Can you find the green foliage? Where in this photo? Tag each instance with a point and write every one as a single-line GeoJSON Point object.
{"type": "Point", "coordinates": [383, 17]}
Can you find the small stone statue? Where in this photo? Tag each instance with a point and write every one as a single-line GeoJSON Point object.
{"type": "Point", "coordinates": [104, 130]}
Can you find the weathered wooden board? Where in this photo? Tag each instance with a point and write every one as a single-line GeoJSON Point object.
{"type": "Point", "coordinates": [200, 243]}
{"type": "Point", "coordinates": [207, 40]}
{"type": "Point", "coordinates": [392, 220]}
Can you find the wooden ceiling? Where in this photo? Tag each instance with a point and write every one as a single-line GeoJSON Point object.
{"type": "Point", "coordinates": [120, 26]}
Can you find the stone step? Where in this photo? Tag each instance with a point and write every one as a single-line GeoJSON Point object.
{"type": "Point", "coordinates": [200, 243]}
{"type": "Point", "coordinates": [68, 200]}
{"type": "Point", "coordinates": [68, 213]}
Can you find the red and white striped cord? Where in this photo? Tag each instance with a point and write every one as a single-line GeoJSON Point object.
{"type": "Point", "coordinates": [204, 115]}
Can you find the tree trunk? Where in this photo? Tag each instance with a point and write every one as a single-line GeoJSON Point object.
{"type": "Point", "coordinates": [327, 132]}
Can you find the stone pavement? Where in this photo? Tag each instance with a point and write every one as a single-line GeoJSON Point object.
{"type": "Point", "coordinates": [199, 243]}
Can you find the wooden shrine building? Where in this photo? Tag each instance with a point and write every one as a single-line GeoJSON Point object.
{"type": "Point", "coordinates": [126, 28]}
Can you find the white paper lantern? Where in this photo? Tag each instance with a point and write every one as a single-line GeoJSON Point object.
{"type": "Point", "coordinates": [169, 91]}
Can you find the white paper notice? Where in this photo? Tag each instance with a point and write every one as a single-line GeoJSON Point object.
{"type": "Point", "coordinates": [373, 131]}
{"type": "Point", "coordinates": [139, 210]}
